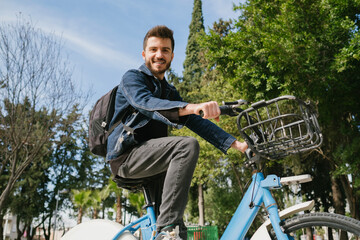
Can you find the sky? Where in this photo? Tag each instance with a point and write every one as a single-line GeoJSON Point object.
{"type": "Point", "coordinates": [103, 38]}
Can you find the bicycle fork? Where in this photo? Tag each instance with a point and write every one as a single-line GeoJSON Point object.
{"type": "Point", "coordinates": [257, 194]}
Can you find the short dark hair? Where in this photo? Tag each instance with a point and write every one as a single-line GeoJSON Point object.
{"type": "Point", "coordinates": [160, 31]}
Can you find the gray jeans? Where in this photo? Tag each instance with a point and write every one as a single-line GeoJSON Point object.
{"type": "Point", "coordinates": [176, 157]}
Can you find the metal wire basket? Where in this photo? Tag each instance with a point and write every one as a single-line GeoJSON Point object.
{"type": "Point", "coordinates": [280, 127]}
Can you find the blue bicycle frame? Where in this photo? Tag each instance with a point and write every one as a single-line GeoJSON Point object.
{"type": "Point", "coordinates": [146, 223]}
{"type": "Point", "coordinates": [257, 194]}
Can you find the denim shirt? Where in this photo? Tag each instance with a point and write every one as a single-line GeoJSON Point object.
{"type": "Point", "coordinates": [137, 103]}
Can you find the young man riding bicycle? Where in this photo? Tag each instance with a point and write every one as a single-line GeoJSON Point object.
{"type": "Point", "coordinates": [141, 148]}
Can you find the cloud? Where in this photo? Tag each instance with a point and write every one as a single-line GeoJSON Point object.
{"type": "Point", "coordinates": [97, 50]}
{"type": "Point", "coordinates": [77, 34]}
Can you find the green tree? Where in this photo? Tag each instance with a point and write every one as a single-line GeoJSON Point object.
{"type": "Point", "coordinates": [309, 49]}
{"type": "Point", "coordinates": [95, 202]}
{"type": "Point", "coordinates": [192, 66]}
{"type": "Point", "coordinates": [36, 85]}
{"type": "Point", "coordinates": [190, 84]}
{"type": "Point", "coordinates": [81, 200]}
{"type": "Point", "coordinates": [29, 192]}
{"type": "Point", "coordinates": [113, 188]}
{"type": "Point", "coordinates": [137, 200]}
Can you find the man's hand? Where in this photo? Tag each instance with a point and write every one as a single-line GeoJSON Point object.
{"type": "Point", "coordinates": [241, 146]}
{"type": "Point", "coordinates": [210, 110]}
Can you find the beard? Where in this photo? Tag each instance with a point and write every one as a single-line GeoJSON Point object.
{"type": "Point", "coordinates": [154, 70]}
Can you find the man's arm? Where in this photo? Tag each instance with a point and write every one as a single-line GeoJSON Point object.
{"type": "Point", "coordinates": [210, 110]}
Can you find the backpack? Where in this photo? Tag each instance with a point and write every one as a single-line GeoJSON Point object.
{"type": "Point", "coordinates": [100, 117]}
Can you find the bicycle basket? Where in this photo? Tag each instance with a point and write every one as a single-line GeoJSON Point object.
{"type": "Point", "coordinates": [279, 127]}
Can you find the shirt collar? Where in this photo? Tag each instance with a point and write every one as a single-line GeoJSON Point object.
{"type": "Point", "coordinates": [143, 68]}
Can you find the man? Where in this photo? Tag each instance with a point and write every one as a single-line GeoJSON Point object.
{"type": "Point", "coordinates": [140, 146]}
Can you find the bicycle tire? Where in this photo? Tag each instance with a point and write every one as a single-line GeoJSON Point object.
{"type": "Point", "coordinates": [321, 221]}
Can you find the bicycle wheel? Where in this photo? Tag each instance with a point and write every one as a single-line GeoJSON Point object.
{"type": "Point", "coordinates": [324, 226]}
{"type": "Point", "coordinates": [97, 229]}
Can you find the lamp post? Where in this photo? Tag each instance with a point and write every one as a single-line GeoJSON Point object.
{"type": "Point", "coordinates": [56, 208]}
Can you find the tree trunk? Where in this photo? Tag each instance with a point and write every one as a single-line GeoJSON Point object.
{"type": "Point", "coordinates": [118, 210]}
{"type": "Point", "coordinates": [79, 219]}
{"type": "Point", "coordinates": [330, 236]}
{"type": "Point", "coordinates": [1, 225]}
{"type": "Point", "coordinates": [201, 205]}
{"type": "Point", "coordinates": [339, 201]}
{"type": "Point", "coordinates": [351, 197]}
{"type": "Point", "coordinates": [19, 232]}
{"type": "Point", "coordinates": [337, 196]}
{"type": "Point", "coordinates": [5, 194]}
{"type": "Point", "coordinates": [95, 216]}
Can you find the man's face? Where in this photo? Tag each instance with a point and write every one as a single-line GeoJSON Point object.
{"type": "Point", "coordinates": [158, 55]}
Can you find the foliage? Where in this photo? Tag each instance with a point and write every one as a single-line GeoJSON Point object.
{"type": "Point", "coordinates": [225, 191]}
{"type": "Point", "coordinates": [305, 48]}
{"type": "Point", "coordinates": [37, 95]}
{"type": "Point", "coordinates": [41, 134]}
{"type": "Point", "coordinates": [192, 68]}
{"type": "Point", "coordinates": [137, 200]}
{"type": "Point", "coordinates": [113, 189]}
{"type": "Point", "coordinates": [81, 200]}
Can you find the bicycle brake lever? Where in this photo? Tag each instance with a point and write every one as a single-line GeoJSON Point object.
{"type": "Point", "coordinates": [252, 158]}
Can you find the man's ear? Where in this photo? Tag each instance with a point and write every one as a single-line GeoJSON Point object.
{"type": "Point", "coordinates": [143, 54]}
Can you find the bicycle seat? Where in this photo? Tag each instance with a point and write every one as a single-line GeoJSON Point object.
{"type": "Point", "coordinates": [135, 184]}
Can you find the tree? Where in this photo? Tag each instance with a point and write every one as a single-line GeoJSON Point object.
{"type": "Point", "coordinates": [192, 66]}
{"type": "Point", "coordinates": [81, 200]}
{"type": "Point", "coordinates": [29, 193]}
{"type": "Point", "coordinates": [113, 188]}
{"type": "Point", "coordinates": [36, 96]}
{"type": "Point", "coordinates": [309, 49]}
{"type": "Point", "coordinates": [192, 75]}
{"type": "Point", "coordinates": [137, 200]}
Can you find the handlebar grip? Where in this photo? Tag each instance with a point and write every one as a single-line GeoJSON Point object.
{"type": "Point", "coordinates": [224, 110]}
{"type": "Point", "coordinates": [227, 110]}
{"type": "Point", "coordinates": [230, 103]}
{"type": "Point", "coordinates": [237, 102]}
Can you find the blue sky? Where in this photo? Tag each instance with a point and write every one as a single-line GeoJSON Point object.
{"type": "Point", "coordinates": [103, 38]}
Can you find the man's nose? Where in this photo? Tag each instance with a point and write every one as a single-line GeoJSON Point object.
{"type": "Point", "coordinates": [159, 54]}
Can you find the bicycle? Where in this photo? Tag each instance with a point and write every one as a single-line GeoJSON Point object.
{"type": "Point", "coordinates": [273, 130]}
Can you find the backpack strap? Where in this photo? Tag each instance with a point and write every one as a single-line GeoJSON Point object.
{"type": "Point", "coordinates": [150, 85]}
